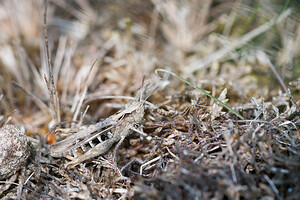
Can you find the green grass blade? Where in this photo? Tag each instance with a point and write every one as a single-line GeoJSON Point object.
{"type": "Point", "coordinates": [201, 90]}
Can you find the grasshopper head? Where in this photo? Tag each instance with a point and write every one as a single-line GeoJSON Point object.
{"type": "Point", "coordinates": [138, 113]}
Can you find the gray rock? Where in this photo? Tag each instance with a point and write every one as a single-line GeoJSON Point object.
{"type": "Point", "coordinates": [14, 150]}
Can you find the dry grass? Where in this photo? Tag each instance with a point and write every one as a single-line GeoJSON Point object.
{"type": "Point", "coordinates": [238, 51]}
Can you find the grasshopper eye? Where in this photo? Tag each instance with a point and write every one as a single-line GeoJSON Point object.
{"type": "Point", "coordinates": [136, 126]}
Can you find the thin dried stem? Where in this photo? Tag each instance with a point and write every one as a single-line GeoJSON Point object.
{"type": "Point", "coordinates": [54, 101]}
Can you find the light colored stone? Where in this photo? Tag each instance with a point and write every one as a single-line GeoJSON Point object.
{"type": "Point", "coordinates": [14, 150]}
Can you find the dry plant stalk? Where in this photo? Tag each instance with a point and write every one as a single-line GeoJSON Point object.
{"type": "Point", "coordinates": [50, 82]}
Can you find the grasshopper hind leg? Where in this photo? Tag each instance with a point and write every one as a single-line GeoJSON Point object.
{"type": "Point", "coordinates": [93, 152]}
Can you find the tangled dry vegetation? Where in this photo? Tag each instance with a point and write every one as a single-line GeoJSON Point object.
{"type": "Point", "coordinates": [245, 53]}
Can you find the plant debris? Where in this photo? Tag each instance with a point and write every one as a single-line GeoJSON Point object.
{"type": "Point", "coordinates": [66, 66]}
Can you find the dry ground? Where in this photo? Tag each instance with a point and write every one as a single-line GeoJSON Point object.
{"type": "Point", "coordinates": [245, 53]}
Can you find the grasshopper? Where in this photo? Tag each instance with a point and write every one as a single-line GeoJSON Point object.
{"type": "Point", "coordinates": [97, 139]}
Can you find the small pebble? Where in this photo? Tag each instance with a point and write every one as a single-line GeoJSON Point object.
{"type": "Point", "coordinates": [14, 150]}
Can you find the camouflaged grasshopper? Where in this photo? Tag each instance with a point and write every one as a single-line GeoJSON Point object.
{"type": "Point", "coordinates": [97, 139]}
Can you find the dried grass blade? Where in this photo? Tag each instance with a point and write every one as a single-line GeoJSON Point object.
{"type": "Point", "coordinates": [219, 54]}
{"type": "Point", "coordinates": [51, 85]}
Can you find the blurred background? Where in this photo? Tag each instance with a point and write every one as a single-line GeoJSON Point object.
{"type": "Point", "coordinates": [215, 44]}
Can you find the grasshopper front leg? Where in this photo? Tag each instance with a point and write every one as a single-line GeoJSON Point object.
{"type": "Point", "coordinates": [116, 148]}
{"type": "Point", "coordinates": [93, 152]}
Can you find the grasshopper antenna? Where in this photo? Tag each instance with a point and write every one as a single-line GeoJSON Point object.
{"type": "Point", "coordinates": [142, 89]}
